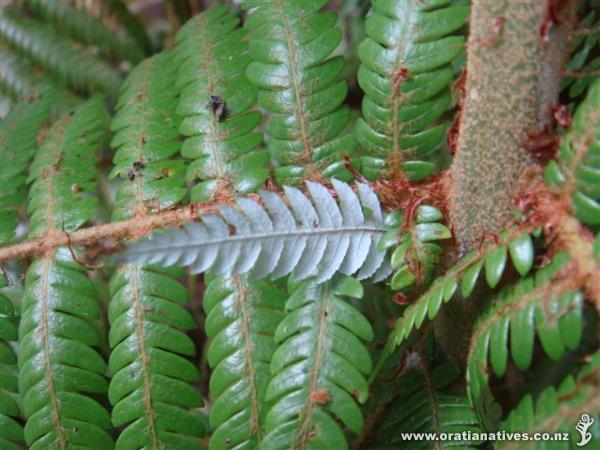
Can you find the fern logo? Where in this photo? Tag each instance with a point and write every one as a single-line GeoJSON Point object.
{"type": "Point", "coordinates": [582, 426]}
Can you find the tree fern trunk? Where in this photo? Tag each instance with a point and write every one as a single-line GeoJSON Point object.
{"type": "Point", "coordinates": [515, 55]}
{"type": "Point", "coordinates": [513, 73]}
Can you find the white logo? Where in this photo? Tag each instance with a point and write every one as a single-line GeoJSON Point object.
{"type": "Point", "coordinates": [582, 426]}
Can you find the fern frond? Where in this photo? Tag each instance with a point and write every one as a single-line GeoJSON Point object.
{"type": "Point", "coordinates": [215, 101]}
{"type": "Point", "coordinates": [415, 256]}
{"type": "Point", "coordinates": [425, 403]}
{"type": "Point", "coordinates": [151, 390]}
{"type": "Point", "coordinates": [11, 431]}
{"type": "Point", "coordinates": [79, 25]}
{"type": "Point", "coordinates": [17, 78]}
{"type": "Point", "coordinates": [578, 165]}
{"type": "Point", "coordinates": [147, 138]}
{"type": "Point", "coordinates": [59, 368]}
{"type": "Point", "coordinates": [305, 239]}
{"type": "Point", "coordinates": [319, 366]}
{"type": "Point", "coordinates": [406, 74]}
{"type": "Point", "coordinates": [64, 171]}
{"type": "Point", "coordinates": [300, 86]}
{"type": "Point", "coordinates": [584, 63]}
{"type": "Point", "coordinates": [241, 318]}
{"type": "Point", "coordinates": [542, 306]}
{"type": "Point", "coordinates": [19, 130]}
{"type": "Point", "coordinates": [66, 61]}
{"type": "Point", "coordinates": [492, 258]}
{"type": "Point", "coordinates": [557, 410]}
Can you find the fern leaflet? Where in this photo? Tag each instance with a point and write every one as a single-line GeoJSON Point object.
{"type": "Point", "coordinates": [546, 306]}
{"type": "Point", "coordinates": [65, 60]}
{"type": "Point", "coordinates": [319, 366]}
{"type": "Point", "coordinates": [299, 85]}
{"type": "Point", "coordinates": [59, 367]}
{"type": "Point", "coordinates": [215, 101]}
{"type": "Point", "coordinates": [11, 431]}
{"type": "Point", "coordinates": [79, 25]}
{"type": "Point", "coordinates": [308, 240]}
{"type": "Point", "coordinates": [406, 74]}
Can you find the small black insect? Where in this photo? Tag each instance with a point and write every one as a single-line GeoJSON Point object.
{"type": "Point", "coordinates": [217, 105]}
{"type": "Point", "coordinates": [137, 165]}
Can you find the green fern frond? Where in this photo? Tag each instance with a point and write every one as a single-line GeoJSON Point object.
{"type": "Point", "coordinates": [492, 258]}
{"type": "Point", "coordinates": [300, 86]}
{"type": "Point", "coordinates": [557, 410]}
{"type": "Point", "coordinates": [584, 63]}
{"type": "Point", "coordinates": [147, 139]}
{"type": "Point", "coordinates": [406, 73]}
{"type": "Point", "coordinates": [19, 130]}
{"type": "Point", "coordinates": [241, 318]}
{"type": "Point", "coordinates": [59, 368]}
{"type": "Point", "coordinates": [305, 238]}
{"type": "Point", "coordinates": [17, 78]}
{"type": "Point", "coordinates": [11, 431]}
{"type": "Point", "coordinates": [66, 61]}
{"type": "Point", "coordinates": [151, 390]}
{"type": "Point", "coordinates": [425, 403]}
{"type": "Point", "coordinates": [415, 256]}
{"type": "Point", "coordinates": [215, 101]}
{"type": "Point", "coordinates": [79, 25]}
{"type": "Point", "coordinates": [539, 306]}
{"type": "Point", "coordinates": [319, 368]}
{"type": "Point", "coordinates": [64, 171]}
{"type": "Point", "coordinates": [578, 165]}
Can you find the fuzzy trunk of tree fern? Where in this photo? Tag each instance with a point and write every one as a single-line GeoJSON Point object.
{"type": "Point", "coordinates": [516, 51]}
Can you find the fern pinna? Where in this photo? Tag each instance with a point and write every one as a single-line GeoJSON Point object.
{"type": "Point", "coordinates": [215, 101]}
{"type": "Point", "coordinates": [151, 389]}
{"type": "Point", "coordinates": [299, 85]}
{"type": "Point", "coordinates": [406, 74]}
{"type": "Point", "coordinates": [60, 368]}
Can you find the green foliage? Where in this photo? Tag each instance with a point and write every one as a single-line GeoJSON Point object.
{"type": "Point", "coordinates": [553, 410]}
{"type": "Point", "coordinates": [11, 431]}
{"type": "Point", "coordinates": [415, 257]}
{"type": "Point", "coordinates": [241, 319]}
{"type": "Point", "coordinates": [60, 368]}
{"type": "Point", "coordinates": [299, 85]}
{"type": "Point", "coordinates": [212, 58]}
{"type": "Point", "coordinates": [289, 368]}
{"type": "Point", "coordinates": [532, 306]}
{"type": "Point", "coordinates": [578, 165]}
{"type": "Point", "coordinates": [319, 367]}
{"type": "Point", "coordinates": [79, 25]}
{"type": "Point", "coordinates": [17, 78]}
{"type": "Point", "coordinates": [147, 139]}
{"type": "Point", "coordinates": [406, 74]}
{"type": "Point", "coordinates": [63, 171]}
{"type": "Point", "coordinates": [585, 62]}
{"type": "Point", "coordinates": [424, 402]}
{"type": "Point", "coordinates": [151, 388]}
{"type": "Point", "coordinates": [304, 238]}
{"type": "Point", "coordinates": [65, 60]}
{"type": "Point", "coordinates": [20, 131]}
{"type": "Point", "coordinates": [466, 272]}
